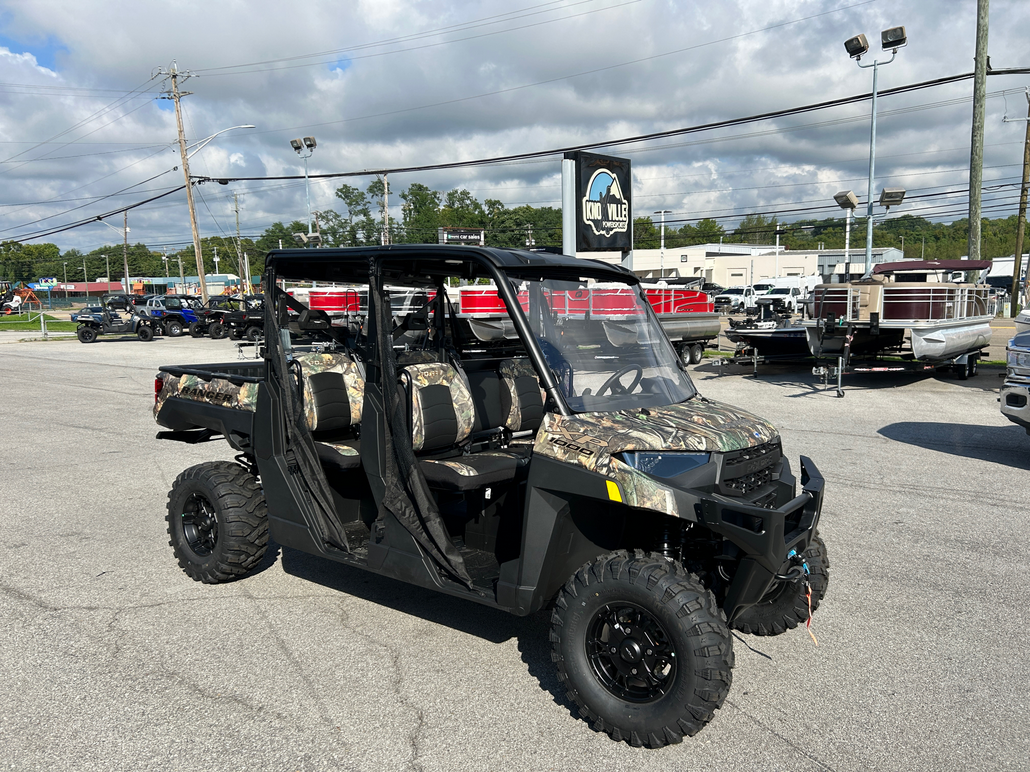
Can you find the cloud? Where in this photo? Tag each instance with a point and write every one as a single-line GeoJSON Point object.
{"type": "Point", "coordinates": [390, 83]}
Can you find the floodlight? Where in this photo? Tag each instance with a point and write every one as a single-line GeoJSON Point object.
{"type": "Point", "coordinates": [891, 197]}
{"type": "Point", "coordinates": [846, 199]}
{"type": "Point", "coordinates": [893, 38]}
{"type": "Point", "coordinates": [300, 238]}
{"type": "Point", "coordinates": [296, 144]}
{"type": "Point", "coordinates": [309, 143]}
{"type": "Point", "coordinates": [856, 46]}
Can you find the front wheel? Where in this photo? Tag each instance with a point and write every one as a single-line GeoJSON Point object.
{"type": "Point", "coordinates": [196, 330]}
{"type": "Point", "coordinates": [253, 333]}
{"type": "Point", "coordinates": [642, 648]}
{"type": "Point", "coordinates": [785, 605]}
{"type": "Point", "coordinates": [217, 521]}
{"type": "Point", "coordinates": [86, 334]}
{"type": "Point", "coordinates": [216, 331]}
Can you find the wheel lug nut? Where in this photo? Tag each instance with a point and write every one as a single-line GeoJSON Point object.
{"type": "Point", "coordinates": [649, 652]}
{"type": "Point", "coordinates": [613, 649]}
{"type": "Point", "coordinates": [634, 671]}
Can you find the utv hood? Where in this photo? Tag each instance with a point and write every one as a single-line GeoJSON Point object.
{"type": "Point", "coordinates": [701, 425]}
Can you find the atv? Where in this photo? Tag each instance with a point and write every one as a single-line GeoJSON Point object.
{"type": "Point", "coordinates": [95, 321]}
{"type": "Point", "coordinates": [248, 321]}
{"type": "Point", "coordinates": [211, 317]}
{"type": "Point", "coordinates": [572, 467]}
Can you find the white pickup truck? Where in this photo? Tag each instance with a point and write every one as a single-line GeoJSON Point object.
{"type": "Point", "coordinates": [736, 299]}
{"type": "Point", "coordinates": [781, 299]}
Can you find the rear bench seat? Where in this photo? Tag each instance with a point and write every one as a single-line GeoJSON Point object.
{"type": "Point", "coordinates": [334, 389]}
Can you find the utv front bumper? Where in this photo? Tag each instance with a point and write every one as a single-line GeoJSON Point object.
{"type": "Point", "coordinates": [765, 536]}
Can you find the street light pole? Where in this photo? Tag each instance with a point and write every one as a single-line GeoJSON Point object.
{"type": "Point", "coordinates": [893, 38]}
{"type": "Point", "coordinates": [65, 279]}
{"type": "Point", "coordinates": [300, 145]}
{"type": "Point", "coordinates": [108, 262]}
{"type": "Point", "coordinates": [661, 258]}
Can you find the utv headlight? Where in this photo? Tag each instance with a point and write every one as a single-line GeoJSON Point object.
{"type": "Point", "coordinates": [1018, 358]}
{"type": "Point", "coordinates": [663, 465]}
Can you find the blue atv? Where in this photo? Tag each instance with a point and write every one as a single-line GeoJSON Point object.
{"type": "Point", "coordinates": [173, 314]}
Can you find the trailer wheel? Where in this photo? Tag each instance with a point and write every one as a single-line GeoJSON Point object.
{"type": "Point", "coordinates": [145, 332]}
{"type": "Point", "coordinates": [86, 334]}
{"type": "Point", "coordinates": [217, 521]}
{"type": "Point", "coordinates": [785, 606]}
{"type": "Point", "coordinates": [216, 331]}
{"type": "Point", "coordinates": [697, 352]}
{"type": "Point", "coordinates": [196, 330]}
{"type": "Point", "coordinates": [642, 648]}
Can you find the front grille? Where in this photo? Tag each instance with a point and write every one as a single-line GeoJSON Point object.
{"type": "Point", "coordinates": [745, 471]}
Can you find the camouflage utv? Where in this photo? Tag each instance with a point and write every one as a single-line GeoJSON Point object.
{"type": "Point", "coordinates": [570, 465]}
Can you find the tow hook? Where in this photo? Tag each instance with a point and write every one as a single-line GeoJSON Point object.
{"type": "Point", "coordinates": [797, 571]}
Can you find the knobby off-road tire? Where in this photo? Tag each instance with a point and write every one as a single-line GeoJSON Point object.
{"type": "Point", "coordinates": [216, 331]}
{"type": "Point", "coordinates": [196, 330]}
{"type": "Point", "coordinates": [217, 521]}
{"type": "Point", "coordinates": [253, 333]}
{"type": "Point", "coordinates": [145, 332]}
{"type": "Point", "coordinates": [785, 606]}
{"type": "Point", "coordinates": [86, 334]}
{"type": "Point", "coordinates": [173, 328]}
{"type": "Point", "coordinates": [627, 612]}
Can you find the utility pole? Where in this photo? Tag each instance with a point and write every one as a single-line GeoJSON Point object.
{"type": "Point", "coordinates": [976, 154]}
{"type": "Point", "coordinates": [239, 244]}
{"type": "Point", "coordinates": [386, 210]}
{"type": "Point", "coordinates": [1017, 263]}
{"type": "Point", "coordinates": [125, 253]}
{"type": "Point", "coordinates": [174, 74]}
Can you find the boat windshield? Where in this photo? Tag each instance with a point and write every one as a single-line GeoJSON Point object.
{"type": "Point", "coordinates": [604, 344]}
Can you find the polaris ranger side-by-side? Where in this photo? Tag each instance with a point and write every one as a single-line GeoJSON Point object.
{"type": "Point", "coordinates": [574, 467]}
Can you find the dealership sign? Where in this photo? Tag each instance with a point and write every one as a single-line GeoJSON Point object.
{"type": "Point", "coordinates": [603, 203]}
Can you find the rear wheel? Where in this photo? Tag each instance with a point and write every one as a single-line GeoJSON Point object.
{"type": "Point", "coordinates": [173, 328]}
{"type": "Point", "coordinates": [196, 330]}
{"type": "Point", "coordinates": [216, 331]}
{"type": "Point", "coordinates": [217, 521]}
{"type": "Point", "coordinates": [253, 333]}
{"type": "Point", "coordinates": [642, 648]}
{"type": "Point", "coordinates": [697, 352]}
{"type": "Point", "coordinates": [785, 606]}
{"type": "Point", "coordinates": [86, 334]}
{"type": "Point", "coordinates": [236, 333]}
{"type": "Point", "coordinates": [145, 332]}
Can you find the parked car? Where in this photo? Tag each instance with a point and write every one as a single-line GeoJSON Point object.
{"type": "Point", "coordinates": [735, 299]}
{"type": "Point", "coordinates": [117, 301]}
{"type": "Point", "coordinates": [783, 299]}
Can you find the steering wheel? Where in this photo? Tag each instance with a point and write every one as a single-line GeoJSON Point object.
{"type": "Point", "coordinates": [613, 380]}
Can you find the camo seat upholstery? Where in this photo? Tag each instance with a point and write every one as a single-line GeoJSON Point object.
{"type": "Point", "coordinates": [334, 388]}
{"type": "Point", "coordinates": [523, 399]}
{"type": "Point", "coordinates": [443, 417]}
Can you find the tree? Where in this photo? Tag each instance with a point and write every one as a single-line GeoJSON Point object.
{"type": "Point", "coordinates": [756, 229]}
{"type": "Point", "coordinates": [645, 234]}
{"type": "Point", "coordinates": [462, 210]}
{"type": "Point", "coordinates": [420, 214]}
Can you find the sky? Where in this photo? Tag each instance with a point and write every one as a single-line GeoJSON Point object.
{"type": "Point", "coordinates": [387, 84]}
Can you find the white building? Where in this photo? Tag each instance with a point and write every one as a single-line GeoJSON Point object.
{"type": "Point", "coordinates": [732, 264]}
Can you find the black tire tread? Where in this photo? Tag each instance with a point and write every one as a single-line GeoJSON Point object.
{"type": "Point", "coordinates": [790, 609]}
{"type": "Point", "coordinates": [670, 583]}
{"type": "Point", "coordinates": [243, 521]}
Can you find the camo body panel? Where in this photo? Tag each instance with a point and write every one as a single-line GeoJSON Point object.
{"type": "Point", "coordinates": [343, 449]}
{"type": "Point", "coordinates": [217, 391]}
{"type": "Point", "coordinates": [435, 374]}
{"type": "Point", "coordinates": [333, 362]}
{"type": "Point", "coordinates": [510, 371]}
{"type": "Point", "coordinates": [591, 440]}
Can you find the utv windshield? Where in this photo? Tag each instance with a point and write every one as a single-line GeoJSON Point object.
{"type": "Point", "coordinates": [604, 345]}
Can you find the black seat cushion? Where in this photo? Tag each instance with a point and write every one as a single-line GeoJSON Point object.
{"type": "Point", "coordinates": [339, 456]}
{"type": "Point", "coordinates": [465, 473]}
{"type": "Point", "coordinates": [331, 405]}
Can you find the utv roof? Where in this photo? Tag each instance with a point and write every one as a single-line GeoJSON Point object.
{"type": "Point", "coordinates": [350, 264]}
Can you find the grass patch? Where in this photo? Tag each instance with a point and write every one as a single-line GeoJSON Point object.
{"type": "Point", "coordinates": [11, 323]}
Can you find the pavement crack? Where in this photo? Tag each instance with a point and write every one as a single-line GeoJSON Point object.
{"type": "Point", "coordinates": [785, 740]}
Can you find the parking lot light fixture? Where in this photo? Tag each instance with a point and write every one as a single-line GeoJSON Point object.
{"type": "Point", "coordinates": [848, 201]}
{"type": "Point", "coordinates": [301, 145]}
{"type": "Point", "coordinates": [892, 38]}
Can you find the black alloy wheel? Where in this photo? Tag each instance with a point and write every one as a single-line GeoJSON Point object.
{"type": "Point", "coordinates": [216, 331]}
{"type": "Point", "coordinates": [217, 521]}
{"type": "Point", "coordinates": [196, 330]}
{"type": "Point", "coordinates": [630, 653]}
{"type": "Point", "coordinates": [642, 648]}
{"type": "Point", "coordinates": [253, 333]}
{"type": "Point", "coordinates": [145, 332]}
{"type": "Point", "coordinates": [86, 334]}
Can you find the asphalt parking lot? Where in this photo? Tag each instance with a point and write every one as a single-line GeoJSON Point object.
{"type": "Point", "coordinates": [112, 659]}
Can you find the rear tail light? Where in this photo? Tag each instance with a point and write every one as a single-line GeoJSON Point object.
{"type": "Point", "coordinates": [159, 382]}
